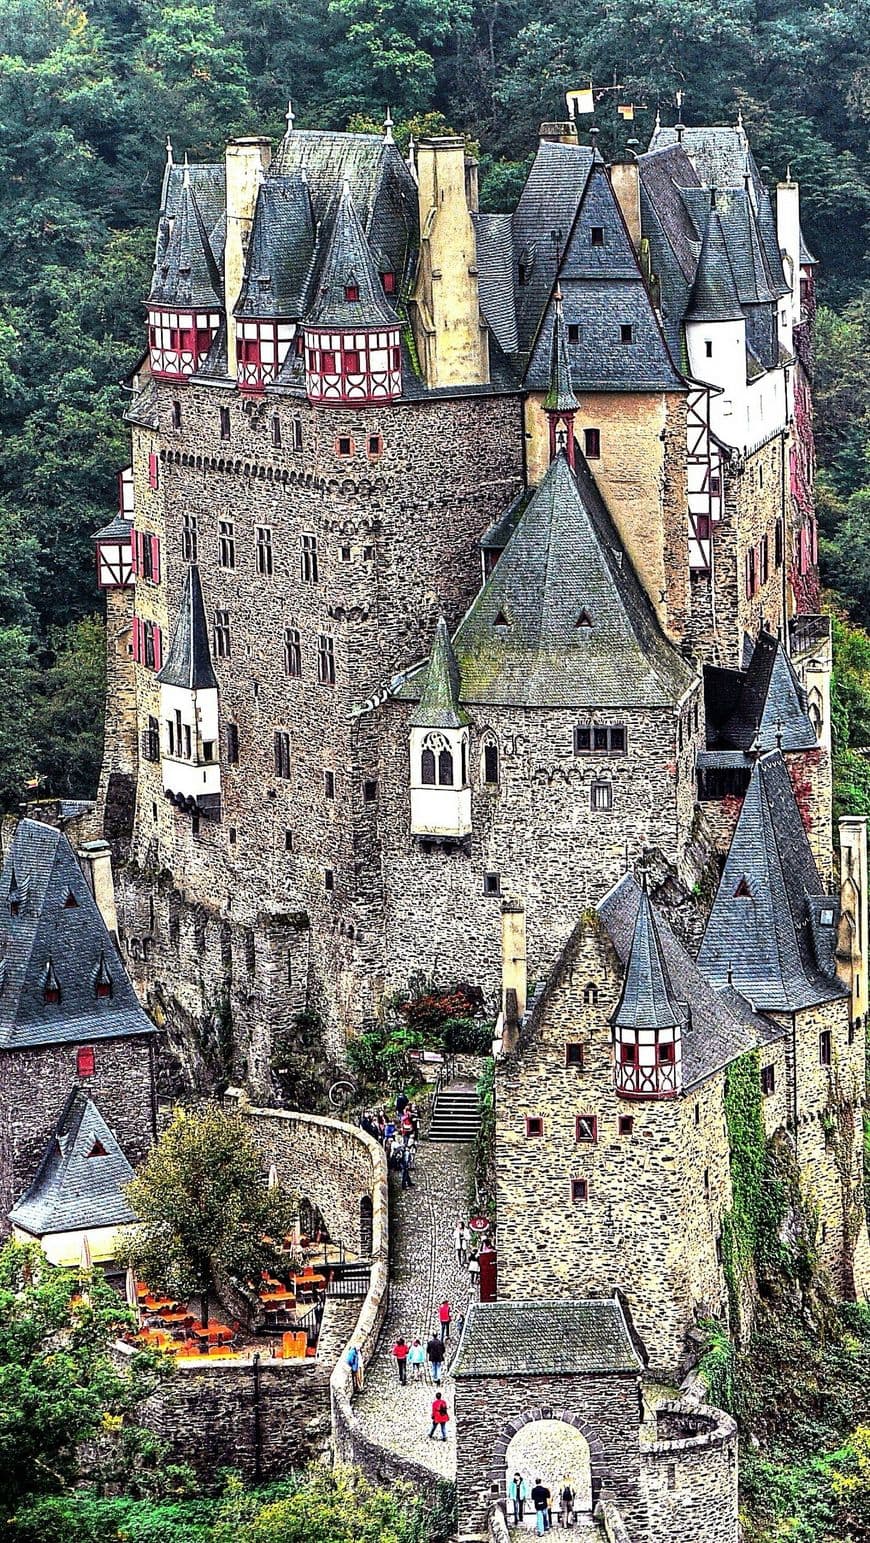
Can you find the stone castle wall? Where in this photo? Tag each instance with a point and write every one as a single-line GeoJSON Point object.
{"type": "Point", "coordinates": [690, 1476]}
{"type": "Point", "coordinates": [755, 496]}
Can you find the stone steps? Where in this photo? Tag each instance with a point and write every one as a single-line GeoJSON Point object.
{"type": "Point", "coordinates": [455, 1114]}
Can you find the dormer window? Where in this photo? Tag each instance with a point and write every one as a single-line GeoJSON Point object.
{"type": "Point", "coordinates": [388, 283]}
{"type": "Point", "coordinates": [743, 892]}
{"type": "Point", "coordinates": [351, 291]}
{"type": "Point", "coordinates": [501, 620]}
{"type": "Point", "coordinates": [522, 274]}
{"type": "Point", "coordinates": [50, 985]}
{"type": "Point", "coordinates": [584, 619]}
{"type": "Point", "coordinates": [596, 235]}
{"type": "Point", "coordinates": [573, 332]}
{"type": "Point", "coordinates": [98, 1150]}
{"type": "Point", "coordinates": [626, 332]}
{"type": "Point", "coordinates": [70, 902]}
{"type": "Point", "coordinates": [103, 981]}
{"type": "Point", "coordinates": [827, 918]}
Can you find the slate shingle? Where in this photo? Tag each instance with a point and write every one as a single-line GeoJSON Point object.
{"type": "Point", "coordinates": [80, 1182]}
{"type": "Point", "coordinates": [188, 663]}
{"type": "Point", "coordinates": [545, 1338]}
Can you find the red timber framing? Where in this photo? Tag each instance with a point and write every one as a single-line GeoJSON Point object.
{"type": "Point", "coordinates": [353, 366]}
{"type": "Point", "coordinates": [179, 340]}
{"type": "Point", "coordinates": [704, 477]}
{"type": "Point", "coordinates": [646, 1062]}
{"type": "Point", "coordinates": [261, 348]}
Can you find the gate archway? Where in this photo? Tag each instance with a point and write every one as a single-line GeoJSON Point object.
{"type": "Point", "coordinates": [557, 1446]}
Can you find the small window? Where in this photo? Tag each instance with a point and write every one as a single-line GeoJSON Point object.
{"type": "Point", "coordinates": [697, 1114]}
{"type": "Point", "coordinates": [227, 543]}
{"type": "Point", "coordinates": [189, 538]}
{"type": "Point", "coordinates": [309, 561]}
{"type": "Point", "coordinates": [490, 763]}
{"type": "Point", "coordinates": [344, 553]}
{"type": "Point", "coordinates": [329, 784]}
{"type": "Point", "coordinates": [743, 892]}
{"type": "Point", "coordinates": [296, 434]}
{"type": "Point", "coordinates": [445, 768]}
{"type": "Point", "coordinates": [584, 619]}
{"type": "Point", "coordinates": [388, 283]}
{"type": "Point", "coordinates": [827, 918]}
{"type": "Point", "coordinates": [329, 879]}
{"type": "Point", "coordinates": [599, 737]}
{"type": "Point", "coordinates": [590, 995]}
{"type": "Point", "coordinates": [825, 1047]}
{"type": "Point", "coordinates": [601, 796]}
{"type": "Point", "coordinates": [708, 348]}
{"type": "Point", "coordinates": [625, 1124]}
{"type": "Point", "coordinates": [288, 841]}
{"type": "Point", "coordinates": [573, 332]}
{"type": "Point", "coordinates": [522, 274]}
{"type": "Point", "coordinates": [592, 444]}
{"type": "Point", "coordinates": [153, 469]}
{"type": "Point", "coordinates": [231, 735]}
{"type": "Point", "coordinates": [222, 634]}
{"type": "Point", "coordinates": [768, 1080]}
{"type": "Point", "coordinates": [777, 544]}
{"type": "Point", "coordinates": [265, 559]}
{"type": "Point", "coordinates": [232, 835]}
{"type": "Point", "coordinates": [574, 1054]}
{"type": "Point", "coordinates": [370, 791]}
{"type": "Point", "coordinates": [368, 554]}
{"type": "Point", "coordinates": [276, 431]}
{"type": "Point", "coordinates": [492, 884]}
{"type": "Point", "coordinates": [350, 361]}
{"type": "Point", "coordinates": [292, 653]}
{"type": "Point", "coordinates": [707, 1183]}
{"type": "Point", "coordinates": [70, 903]}
{"type": "Point", "coordinates": [325, 660]}
{"type": "Point", "coordinates": [250, 951]}
{"type": "Point", "coordinates": [97, 1150]}
{"type": "Point", "coordinates": [427, 768]}
{"type": "Point", "coordinates": [582, 738]}
{"type": "Point", "coordinates": [626, 332]}
{"type": "Point", "coordinates": [344, 445]}
{"type": "Point", "coordinates": [282, 753]}
{"type": "Point", "coordinates": [376, 444]}
{"type": "Point", "coordinates": [351, 291]}
{"type": "Point", "coordinates": [617, 739]}
{"type": "Point", "coordinates": [628, 1053]}
{"type": "Point", "coordinates": [667, 1052]}
{"type": "Point", "coordinates": [176, 415]}
{"type": "Point", "coordinates": [85, 1061]}
{"type": "Point", "coordinates": [225, 422]}
{"type": "Point", "coordinates": [534, 1125]}
{"type": "Point", "coordinates": [586, 1128]}
{"type": "Point", "coordinates": [596, 235]}
{"type": "Point", "coordinates": [579, 1191]}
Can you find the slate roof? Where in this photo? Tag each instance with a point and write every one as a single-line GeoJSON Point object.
{"type": "Point", "coordinates": [118, 529]}
{"type": "Point", "coordinates": [280, 252]}
{"type": "Point", "coordinates": [763, 707]}
{"type": "Point", "coordinates": [80, 1181]}
{"type": "Point", "coordinates": [714, 294]}
{"type": "Point", "coordinates": [545, 1338]}
{"type": "Point", "coordinates": [548, 203]}
{"type": "Point", "coordinates": [560, 396]}
{"type": "Point", "coordinates": [648, 1000]}
{"type": "Point", "coordinates": [497, 535]}
{"type": "Point", "coordinates": [188, 663]}
{"type": "Point", "coordinates": [495, 261]}
{"type": "Point", "coordinates": [439, 707]}
{"type": "Point", "coordinates": [348, 261]}
{"type": "Point", "coordinates": [766, 919]}
{"type": "Point", "coordinates": [714, 1035]}
{"type": "Point", "coordinates": [186, 273]}
{"type": "Point", "coordinates": [563, 620]}
{"type": "Point", "coordinates": [57, 927]}
{"type": "Point", "coordinates": [719, 153]}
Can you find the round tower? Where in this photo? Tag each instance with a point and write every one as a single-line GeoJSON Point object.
{"type": "Point", "coordinates": [648, 1023]}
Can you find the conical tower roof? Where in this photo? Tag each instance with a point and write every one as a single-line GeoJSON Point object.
{"type": "Point", "coordinates": [560, 396]}
{"type": "Point", "coordinates": [188, 663]}
{"type": "Point", "coordinates": [348, 265]}
{"type": "Point", "coordinates": [280, 250]}
{"type": "Point", "coordinates": [714, 294]}
{"type": "Point", "coordinates": [648, 1000]}
{"type": "Point", "coordinates": [186, 273]}
{"type": "Point", "coordinates": [439, 707]}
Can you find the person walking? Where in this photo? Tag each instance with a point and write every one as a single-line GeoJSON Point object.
{"type": "Point", "coordinates": [416, 1361]}
{"type": "Point", "coordinates": [406, 1157]}
{"type": "Point", "coordinates": [518, 1494]}
{"type": "Point", "coordinates": [566, 1506]}
{"type": "Point", "coordinates": [402, 1102]}
{"type": "Point", "coordinates": [474, 1274]}
{"type": "Point", "coordinates": [444, 1320]}
{"type": "Point", "coordinates": [435, 1352]}
{"type": "Point", "coordinates": [541, 1503]}
{"type": "Point", "coordinates": [440, 1416]}
{"type": "Point", "coordinates": [355, 1364]}
{"type": "Point", "coordinates": [400, 1351]}
{"type": "Point", "coordinates": [459, 1245]}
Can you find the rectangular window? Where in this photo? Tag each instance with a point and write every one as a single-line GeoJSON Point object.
{"type": "Point", "coordinates": [297, 434]}
{"type": "Point", "coordinates": [176, 415]}
{"type": "Point", "coordinates": [222, 634]}
{"type": "Point", "coordinates": [309, 564]}
{"type": "Point", "coordinates": [282, 753]}
{"type": "Point", "coordinates": [596, 235]}
{"type": "Point", "coordinates": [388, 283]}
{"type": "Point", "coordinates": [292, 653]}
{"type": "Point", "coordinates": [599, 737]}
{"type": "Point", "coordinates": [276, 431]}
{"type": "Point", "coordinates": [708, 348]}
{"type": "Point", "coordinates": [351, 361]}
{"type": "Point", "coordinates": [329, 784]}
{"type": "Point", "coordinates": [626, 332]}
{"type": "Point", "coordinates": [534, 1125]}
{"type": "Point", "coordinates": [325, 660]}
{"type": "Point", "coordinates": [227, 543]}
{"type": "Point", "coordinates": [370, 791]}
{"type": "Point", "coordinates": [231, 733]}
{"type": "Point", "coordinates": [492, 884]}
{"type": "Point", "coordinates": [189, 538]}
{"type": "Point", "coordinates": [170, 735]}
{"type": "Point", "coordinates": [225, 422]}
{"type": "Point", "coordinates": [625, 1124]}
{"type": "Point", "coordinates": [573, 332]}
{"type": "Point", "coordinates": [151, 741]}
{"type": "Point", "coordinates": [825, 1047]}
{"type": "Point", "coordinates": [586, 1128]}
{"type": "Point", "coordinates": [592, 444]}
{"type": "Point", "coordinates": [601, 795]}
{"type": "Point", "coordinates": [328, 879]}
{"type": "Point", "coordinates": [582, 738]}
{"type": "Point", "coordinates": [344, 445]}
{"type": "Point", "coordinates": [265, 561]}
{"type": "Point", "coordinates": [574, 1054]}
{"type": "Point", "coordinates": [628, 1053]}
{"type": "Point", "coordinates": [579, 1191]}
{"type": "Point", "coordinates": [750, 573]}
{"type": "Point", "coordinates": [152, 649]}
{"type": "Point", "coordinates": [763, 561]}
{"type": "Point", "coordinates": [768, 1080]}
{"type": "Point", "coordinates": [288, 841]}
{"type": "Point", "coordinates": [188, 743]}
{"type": "Point", "coordinates": [376, 444]}
{"type": "Point", "coordinates": [666, 1054]}
{"type": "Point", "coordinates": [85, 1061]}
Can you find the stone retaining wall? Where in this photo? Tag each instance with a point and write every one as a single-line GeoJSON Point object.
{"type": "Point", "coordinates": [690, 1475]}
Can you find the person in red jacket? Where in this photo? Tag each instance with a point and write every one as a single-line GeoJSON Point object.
{"type": "Point", "coordinates": [440, 1416]}
{"type": "Point", "coordinates": [444, 1320]}
{"type": "Point", "coordinates": [400, 1351]}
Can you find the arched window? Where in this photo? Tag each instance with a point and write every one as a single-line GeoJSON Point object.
{"type": "Point", "coordinates": [590, 995]}
{"type": "Point", "coordinates": [427, 768]}
{"type": "Point", "coordinates": [366, 1226]}
{"type": "Point", "coordinates": [464, 763]}
{"type": "Point", "coordinates": [445, 768]}
{"type": "Point", "coordinates": [490, 761]}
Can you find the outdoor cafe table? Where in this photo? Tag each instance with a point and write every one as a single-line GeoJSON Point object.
{"type": "Point", "coordinates": [182, 1316]}
{"type": "Point", "coordinates": [215, 1334]}
{"type": "Point", "coordinates": [281, 1295]}
{"type": "Point", "coordinates": [308, 1278]}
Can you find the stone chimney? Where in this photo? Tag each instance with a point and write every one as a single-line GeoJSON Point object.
{"type": "Point", "coordinates": [513, 969]}
{"type": "Point", "coordinates": [246, 161]}
{"type": "Point", "coordinates": [625, 181]}
{"type": "Point", "coordinates": [95, 860]}
{"type": "Point", "coordinates": [449, 331]}
{"type": "Point", "coordinates": [853, 960]}
{"type": "Point", "coordinates": [788, 230]}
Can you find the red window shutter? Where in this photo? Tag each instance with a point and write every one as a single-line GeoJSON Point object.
{"type": "Point", "coordinates": [85, 1061]}
{"type": "Point", "coordinates": [158, 650]}
{"type": "Point", "coordinates": [152, 469]}
{"type": "Point", "coordinates": [155, 559]}
{"type": "Point", "coordinates": [134, 551]}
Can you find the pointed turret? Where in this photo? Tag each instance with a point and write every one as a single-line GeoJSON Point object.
{"type": "Point", "coordinates": [714, 294]}
{"type": "Point", "coordinates": [277, 279]}
{"type": "Point", "coordinates": [440, 789]}
{"type": "Point", "coordinates": [352, 351]}
{"type": "Point", "coordinates": [649, 1021]}
{"type": "Point", "coordinates": [184, 307]}
{"type": "Point", "coordinates": [189, 710]}
{"type": "Point", "coordinates": [560, 404]}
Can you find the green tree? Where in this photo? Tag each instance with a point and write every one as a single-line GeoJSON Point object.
{"type": "Point", "coordinates": [67, 731]}
{"type": "Point", "coordinates": [16, 740]}
{"type": "Point", "coordinates": [203, 1206]}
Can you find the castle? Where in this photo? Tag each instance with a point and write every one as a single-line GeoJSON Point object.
{"type": "Point", "coordinates": [463, 617]}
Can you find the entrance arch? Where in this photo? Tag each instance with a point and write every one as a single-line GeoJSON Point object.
{"type": "Point", "coordinates": [556, 1446]}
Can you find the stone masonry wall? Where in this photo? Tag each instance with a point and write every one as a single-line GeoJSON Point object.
{"type": "Point", "coordinates": [755, 497]}
{"type": "Point", "coordinates": [656, 1193]}
{"type": "Point", "coordinates": [35, 1085]}
{"type": "Point", "coordinates": [690, 1480]}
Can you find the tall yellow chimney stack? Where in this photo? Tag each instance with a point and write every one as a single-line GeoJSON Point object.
{"type": "Point", "coordinates": [449, 331]}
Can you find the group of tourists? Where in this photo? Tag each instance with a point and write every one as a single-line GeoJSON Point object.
{"type": "Point", "coordinates": [520, 1493]}
{"type": "Point", "coordinates": [398, 1134]}
{"type": "Point", "coordinates": [426, 1364]}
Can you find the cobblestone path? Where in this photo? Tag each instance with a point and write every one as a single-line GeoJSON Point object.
{"type": "Point", "coordinates": [423, 1271]}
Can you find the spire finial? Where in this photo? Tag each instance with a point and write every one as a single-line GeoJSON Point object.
{"type": "Point", "coordinates": [185, 180]}
{"type": "Point", "coordinates": [658, 118]}
{"type": "Point", "coordinates": [730, 973]}
{"type": "Point", "coordinates": [388, 128]}
{"type": "Point", "coordinates": [169, 160]}
{"type": "Point", "coordinates": [288, 116]}
{"type": "Point", "coordinates": [740, 117]}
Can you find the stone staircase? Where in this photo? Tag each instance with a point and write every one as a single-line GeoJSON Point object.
{"type": "Point", "coordinates": [455, 1113]}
